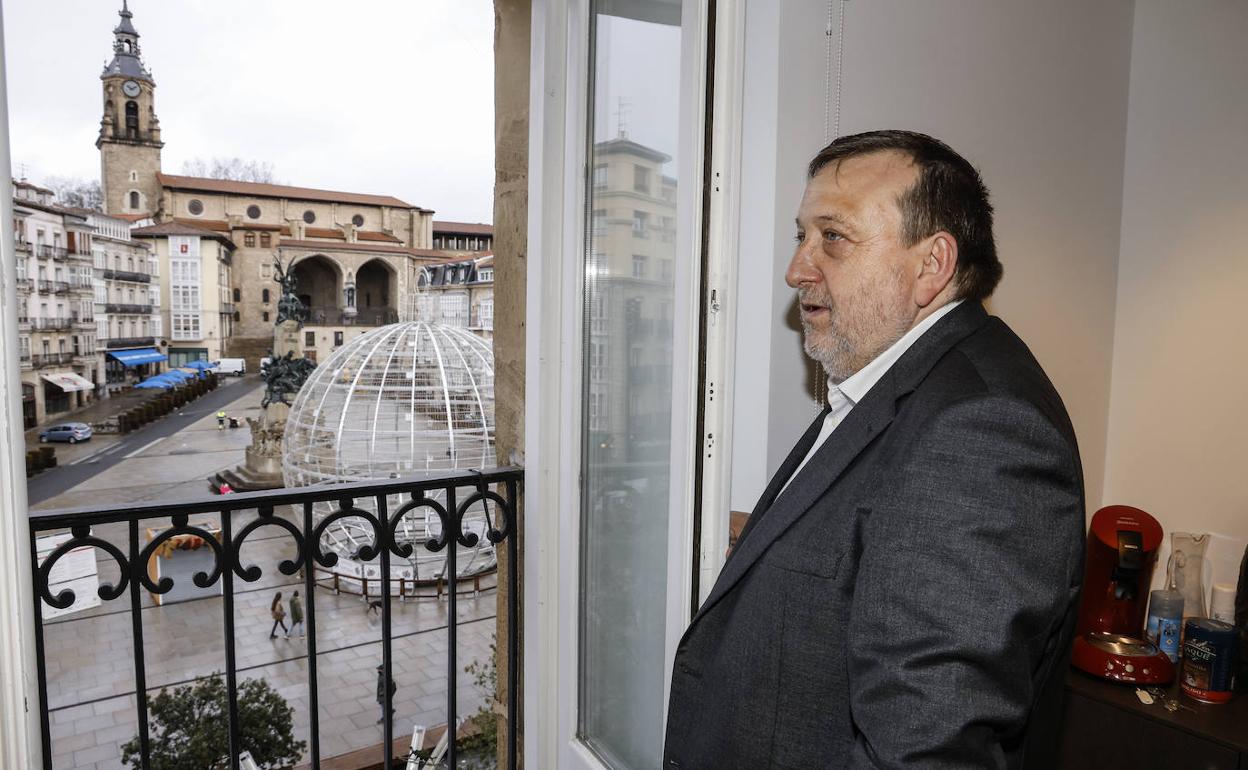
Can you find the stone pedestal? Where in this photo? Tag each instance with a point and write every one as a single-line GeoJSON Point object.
{"type": "Point", "coordinates": [262, 464]}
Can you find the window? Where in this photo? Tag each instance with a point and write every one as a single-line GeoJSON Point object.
{"type": "Point", "coordinates": [337, 339]}
{"type": "Point", "coordinates": [455, 309]}
{"type": "Point", "coordinates": [185, 326]}
{"type": "Point", "coordinates": [264, 296]}
{"type": "Point", "coordinates": [134, 199]}
{"type": "Point", "coordinates": [485, 314]}
{"type": "Point", "coordinates": [253, 211]}
{"type": "Point", "coordinates": [640, 221]}
{"type": "Point", "coordinates": [266, 271]}
{"type": "Point", "coordinates": [265, 316]}
{"type": "Point", "coordinates": [238, 295]}
{"type": "Point", "coordinates": [485, 274]}
{"type": "Point", "coordinates": [358, 220]}
{"type": "Point", "coordinates": [641, 179]}
{"type": "Point", "coordinates": [265, 240]}
{"type": "Point", "coordinates": [195, 206]}
{"type": "Point", "coordinates": [639, 266]}
{"type": "Point", "coordinates": [600, 176]}
{"type": "Point", "coordinates": [309, 216]}
{"type": "Point", "coordinates": [309, 339]}
{"type": "Point", "coordinates": [600, 221]}
{"type": "Point", "coordinates": [249, 240]}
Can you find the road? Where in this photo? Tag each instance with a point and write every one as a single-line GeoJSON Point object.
{"type": "Point", "coordinates": [53, 482]}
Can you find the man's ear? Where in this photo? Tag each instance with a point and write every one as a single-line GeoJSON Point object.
{"type": "Point", "coordinates": [940, 260]}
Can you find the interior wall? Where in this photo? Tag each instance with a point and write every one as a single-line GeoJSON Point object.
{"type": "Point", "coordinates": [1034, 94]}
{"type": "Point", "coordinates": [1178, 425]}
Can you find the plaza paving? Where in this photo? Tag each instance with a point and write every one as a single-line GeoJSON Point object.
{"type": "Point", "coordinates": [90, 653]}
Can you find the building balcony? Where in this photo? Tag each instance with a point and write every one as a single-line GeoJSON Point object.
{"type": "Point", "coordinates": [227, 308]}
{"type": "Point", "coordinates": [52, 287]}
{"type": "Point", "coordinates": [22, 247]}
{"type": "Point", "coordinates": [122, 343]}
{"type": "Point", "coordinates": [41, 360]}
{"type": "Point", "coordinates": [126, 309]}
{"type": "Point", "coordinates": [26, 362]}
{"type": "Point", "coordinates": [60, 323]}
{"type": "Point", "coordinates": [57, 253]}
{"type": "Point", "coordinates": [127, 275]}
{"type": "Point", "coordinates": [206, 569]}
{"type": "Point", "coordinates": [23, 323]}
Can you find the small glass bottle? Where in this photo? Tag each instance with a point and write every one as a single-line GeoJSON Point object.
{"type": "Point", "coordinates": [1165, 616]}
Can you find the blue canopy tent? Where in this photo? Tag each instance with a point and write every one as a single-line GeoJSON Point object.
{"type": "Point", "coordinates": [155, 382]}
{"type": "Point", "coordinates": [199, 364]}
{"type": "Point", "coordinates": [177, 375]}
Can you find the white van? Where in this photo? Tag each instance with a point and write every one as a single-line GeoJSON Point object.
{"type": "Point", "coordinates": [234, 366]}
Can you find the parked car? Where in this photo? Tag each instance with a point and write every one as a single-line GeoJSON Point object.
{"type": "Point", "coordinates": [234, 366]}
{"type": "Point", "coordinates": [73, 432]}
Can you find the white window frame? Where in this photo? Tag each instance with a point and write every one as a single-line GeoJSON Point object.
{"type": "Point", "coordinates": [556, 236]}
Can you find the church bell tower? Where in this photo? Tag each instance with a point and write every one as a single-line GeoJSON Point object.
{"type": "Point", "coordinates": [129, 140]}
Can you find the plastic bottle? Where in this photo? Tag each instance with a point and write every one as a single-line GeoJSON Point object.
{"type": "Point", "coordinates": [1165, 616]}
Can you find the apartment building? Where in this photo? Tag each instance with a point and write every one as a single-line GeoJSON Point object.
{"type": "Point", "coordinates": [129, 327]}
{"type": "Point", "coordinates": [56, 324]}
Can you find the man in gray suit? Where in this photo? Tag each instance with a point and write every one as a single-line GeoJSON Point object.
{"type": "Point", "coordinates": [905, 591]}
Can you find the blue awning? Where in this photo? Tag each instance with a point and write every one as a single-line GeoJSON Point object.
{"type": "Point", "coordinates": [138, 356]}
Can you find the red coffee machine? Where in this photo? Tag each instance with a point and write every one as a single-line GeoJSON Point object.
{"type": "Point", "coordinates": [1122, 551]}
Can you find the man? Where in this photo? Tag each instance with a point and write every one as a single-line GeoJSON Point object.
{"type": "Point", "coordinates": [905, 591]}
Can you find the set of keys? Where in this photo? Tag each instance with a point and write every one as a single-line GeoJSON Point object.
{"type": "Point", "coordinates": [1150, 695]}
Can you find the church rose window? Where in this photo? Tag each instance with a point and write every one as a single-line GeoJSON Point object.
{"type": "Point", "coordinates": [309, 216]}
{"type": "Point", "coordinates": [357, 220]}
{"type": "Point", "coordinates": [253, 211]}
{"type": "Point", "coordinates": [196, 207]}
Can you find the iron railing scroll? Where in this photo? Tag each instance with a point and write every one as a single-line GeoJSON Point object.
{"type": "Point", "coordinates": [240, 515]}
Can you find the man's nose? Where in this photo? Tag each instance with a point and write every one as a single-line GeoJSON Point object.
{"type": "Point", "coordinates": [801, 267]}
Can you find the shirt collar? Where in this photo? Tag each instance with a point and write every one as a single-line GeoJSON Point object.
{"type": "Point", "coordinates": [861, 381]}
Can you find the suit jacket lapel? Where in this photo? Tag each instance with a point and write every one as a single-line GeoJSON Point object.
{"type": "Point", "coordinates": [775, 512]}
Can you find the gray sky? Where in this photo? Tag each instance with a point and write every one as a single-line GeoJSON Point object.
{"type": "Point", "coordinates": [391, 97]}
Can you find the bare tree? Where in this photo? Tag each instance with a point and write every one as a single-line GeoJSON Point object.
{"type": "Point", "coordinates": [235, 169]}
{"type": "Point", "coordinates": [76, 192]}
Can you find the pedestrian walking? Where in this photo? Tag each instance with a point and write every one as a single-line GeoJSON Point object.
{"type": "Point", "coordinates": [221, 420]}
{"type": "Point", "coordinates": [381, 692]}
{"type": "Point", "coordinates": [278, 612]}
{"type": "Point", "coordinates": [296, 615]}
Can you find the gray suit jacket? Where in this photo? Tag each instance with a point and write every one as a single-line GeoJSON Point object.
{"type": "Point", "coordinates": [908, 601]}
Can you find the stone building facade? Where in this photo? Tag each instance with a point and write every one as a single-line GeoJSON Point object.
{"type": "Point", "coordinates": [127, 302]}
{"type": "Point", "coordinates": [56, 323]}
{"type": "Point", "coordinates": [355, 256]}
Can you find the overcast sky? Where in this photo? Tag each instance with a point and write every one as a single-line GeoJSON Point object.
{"type": "Point", "coordinates": [392, 97]}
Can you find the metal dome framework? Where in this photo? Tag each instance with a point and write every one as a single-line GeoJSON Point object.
{"type": "Point", "coordinates": [405, 398]}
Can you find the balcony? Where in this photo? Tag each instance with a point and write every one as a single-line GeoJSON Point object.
{"type": "Point", "coordinates": [51, 359]}
{"type": "Point", "coordinates": [22, 247]}
{"type": "Point", "coordinates": [57, 253]}
{"type": "Point", "coordinates": [126, 309]}
{"type": "Point", "coordinates": [122, 343]}
{"type": "Point", "coordinates": [226, 534]}
{"type": "Point", "coordinates": [52, 287]}
{"type": "Point", "coordinates": [227, 308]}
{"type": "Point", "coordinates": [60, 323]}
{"type": "Point", "coordinates": [127, 275]}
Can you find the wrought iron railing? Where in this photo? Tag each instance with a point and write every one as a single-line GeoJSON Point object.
{"type": "Point", "coordinates": [238, 516]}
{"type": "Point", "coordinates": [53, 287]}
{"type": "Point", "coordinates": [120, 343]}
{"type": "Point", "coordinates": [126, 275]}
{"type": "Point", "coordinates": [127, 309]}
{"type": "Point", "coordinates": [55, 252]}
{"type": "Point", "coordinates": [59, 323]}
{"type": "Point", "coordinates": [51, 359]}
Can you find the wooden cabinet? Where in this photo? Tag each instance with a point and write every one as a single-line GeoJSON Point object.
{"type": "Point", "coordinates": [1107, 728]}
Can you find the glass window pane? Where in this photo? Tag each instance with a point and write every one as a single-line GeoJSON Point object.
{"type": "Point", "coordinates": [626, 380]}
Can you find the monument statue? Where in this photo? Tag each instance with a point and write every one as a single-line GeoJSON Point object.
{"type": "Point", "coordinates": [283, 375]}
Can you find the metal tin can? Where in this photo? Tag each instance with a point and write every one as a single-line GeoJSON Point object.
{"type": "Point", "coordinates": [1208, 660]}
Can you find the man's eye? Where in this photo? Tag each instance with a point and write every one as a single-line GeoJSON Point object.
{"type": "Point", "coordinates": [831, 235]}
{"type": "Point", "coordinates": [800, 237]}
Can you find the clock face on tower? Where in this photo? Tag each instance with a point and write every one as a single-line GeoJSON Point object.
{"type": "Point", "coordinates": [130, 88]}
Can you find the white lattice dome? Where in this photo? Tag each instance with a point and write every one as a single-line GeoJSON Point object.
{"type": "Point", "coordinates": [401, 399]}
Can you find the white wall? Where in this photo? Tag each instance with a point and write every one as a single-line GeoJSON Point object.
{"type": "Point", "coordinates": [1178, 418]}
{"type": "Point", "coordinates": [1034, 94]}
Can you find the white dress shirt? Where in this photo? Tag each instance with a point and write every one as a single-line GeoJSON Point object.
{"type": "Point", "coordinates": [843, 397]}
